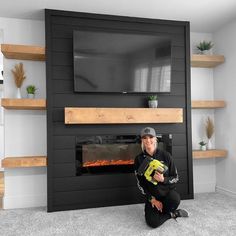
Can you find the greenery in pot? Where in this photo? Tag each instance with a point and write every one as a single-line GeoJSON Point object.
{"type": "Point", "coordinates": [152, 101]}
{"type": "Point", "coordinates": [202, 143]}
{"type": "Point", "coordinates": [205, 46]}
{"type": "Point", "coordinates": [31, 89]}
{"type": "Point", "coordinates": [152, 98]}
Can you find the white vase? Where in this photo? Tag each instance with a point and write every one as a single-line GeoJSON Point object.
{"type": "Point", "coordinates": [203, 147]}
{"type": "Point", "coordinates": [209, 144]}
{"type": "Point", "coordinates": [18, 93]}
{"type": "Point", "coordinates": [30, 95]}
{"type": "Point", "coordinates": [152, 104]}
{"type": "Point", "coordinates": [206, 52]}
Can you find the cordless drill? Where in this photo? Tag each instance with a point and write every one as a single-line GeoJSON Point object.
{"type": "Point", "coordinates": [148, 168]}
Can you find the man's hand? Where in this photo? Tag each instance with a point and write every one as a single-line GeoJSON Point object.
{"type": "Point", "coordinates": [157, 204]}
{"type": "Point", "coordinates": [158, 177]}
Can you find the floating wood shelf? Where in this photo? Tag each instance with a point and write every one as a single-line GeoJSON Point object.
{"type": "Point", "coordinates": [75, 115]}
{"type": "Point", "coordinates": [207, 61]}
{"type": "Point", "coordinates": [23, 52]}
{"type": "Point", "coordinates": [27, 161]}
{"type": "Point", "coordinates": [23, 104]}
{"type": "Point", "coordinates": [1, 185]}
{"type": "Point", "coordinates": [198, 154]}
{"type": "Point", "coordinates": [2, 188]}
{"type": "Point", "coordinates": [206, 104]}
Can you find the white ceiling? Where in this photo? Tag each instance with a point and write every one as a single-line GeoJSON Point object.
{"type": "Point", "coordinates": [204, 15]}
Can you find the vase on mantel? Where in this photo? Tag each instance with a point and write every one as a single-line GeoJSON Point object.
{"type": "Point", "coordinates": [153, 103]}
{"type": "Point", "coordinates": [18, 93]}
{"type": "Point", "coordinates": [209, 144]}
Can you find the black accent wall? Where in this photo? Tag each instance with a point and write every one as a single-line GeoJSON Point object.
{"type": "Point", "coordinates": [65, 189]}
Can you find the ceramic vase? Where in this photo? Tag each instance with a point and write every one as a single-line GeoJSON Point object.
{"type": "Point", "coordinates": [18, 93]}
{"type": "Point", "coordinates": [209, 144]}
{"type": "Point", "coordinates": [30, 95]}
{"type": "Point", "coordinates": [153, 104]}
{"type": "Point", "coordinates": [203, 147]}
{"type": "Point", "coordinates": [206, 52]}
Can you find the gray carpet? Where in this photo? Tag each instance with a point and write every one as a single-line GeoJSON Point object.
{"type": "Point", "coordinates": [210, 214]}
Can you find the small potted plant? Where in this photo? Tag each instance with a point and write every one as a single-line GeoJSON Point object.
{"type": "Point", "coordinates": [202, 145]}
{"type": "Point", "coordinates": [152, 101]}
{"type": "Point", "coordinates": [31, 89]}
{"type": "Point", "coordinates": [204, 47]}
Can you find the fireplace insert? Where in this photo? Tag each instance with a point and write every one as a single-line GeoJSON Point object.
{"type": "Point", "coordinates": [99, 154]}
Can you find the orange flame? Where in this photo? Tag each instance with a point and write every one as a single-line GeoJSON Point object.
{"type": "Point", "coordinates": [107, 163]}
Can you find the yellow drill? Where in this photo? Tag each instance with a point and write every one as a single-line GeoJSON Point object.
{"type": "Point", "coordinates": [148, 168]}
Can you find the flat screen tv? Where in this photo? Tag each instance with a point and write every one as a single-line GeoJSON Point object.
{"type": "Point", "coordinates": [117, 62]}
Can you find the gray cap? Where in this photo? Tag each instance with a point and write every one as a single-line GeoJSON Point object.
{"type": "Point", "coordinates": [148, 131]}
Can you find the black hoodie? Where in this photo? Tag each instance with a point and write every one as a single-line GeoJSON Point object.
{"type": "Point", "coordinates": [170, 176]}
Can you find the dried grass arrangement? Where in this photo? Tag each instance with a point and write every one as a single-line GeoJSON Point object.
{"type": "Point", "coordinates": [19, 74]}
{"type": "Point", "coordinates": [209, 128]}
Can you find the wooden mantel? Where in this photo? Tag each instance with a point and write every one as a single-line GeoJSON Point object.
{"type": "Point", "coordinates": [85, 115]}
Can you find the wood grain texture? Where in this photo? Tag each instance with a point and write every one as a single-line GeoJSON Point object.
{"type": "Point", "coordinates": [198, 154]}
{"type": "Point", "coordinates": [206, 104]}
{"type": "Point", "coordinates": [25, 161]}
{"type": "Point", "coordinates": [207, 61]}
{"type": "Point", "coordinates": [23, 104]}
{"type": "Point", "coordinates": [23, 52]}
{"type": "Point", "coordinates": [75, 115]}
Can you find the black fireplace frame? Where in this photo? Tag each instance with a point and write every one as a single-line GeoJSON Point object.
{"type": "Point", "coordinates": [65, 189]}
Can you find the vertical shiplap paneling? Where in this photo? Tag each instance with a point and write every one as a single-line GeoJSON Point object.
{"type": "Point", "coordinates": [61, 138]}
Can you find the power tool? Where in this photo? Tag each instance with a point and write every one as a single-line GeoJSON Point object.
{"type": "Point", "coordinates": [148, 168]}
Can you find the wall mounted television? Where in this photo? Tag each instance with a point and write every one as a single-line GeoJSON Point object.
{"type": "Point", "coordinates": [118, 62]}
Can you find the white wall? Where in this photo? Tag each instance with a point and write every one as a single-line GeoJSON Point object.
{"type": "Point", "coordinates": [25, 131]}
{"type": "Point", "coordinates": [225, 88]}
{"type": "Point", "coordinates": [202, 88]}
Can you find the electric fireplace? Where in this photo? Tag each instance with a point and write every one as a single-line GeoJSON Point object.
{"type": "Point", "coordinates": [98, 154]}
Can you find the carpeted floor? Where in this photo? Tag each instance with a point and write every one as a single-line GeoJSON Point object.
{"type": "Point", "coordinates": [210, 214]}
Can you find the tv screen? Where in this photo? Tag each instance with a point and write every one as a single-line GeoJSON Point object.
{"type": "Point", "coordinates": [121, 62]}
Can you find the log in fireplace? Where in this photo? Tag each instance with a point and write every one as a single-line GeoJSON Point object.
{"type": "Point", "coordinates": [111, 153]}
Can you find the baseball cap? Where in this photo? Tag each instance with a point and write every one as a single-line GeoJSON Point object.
{"type": "Point", "coordinates": [148, 131]}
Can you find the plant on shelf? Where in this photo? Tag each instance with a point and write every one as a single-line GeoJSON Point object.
{"type": "Point", "coordinates": [209, 131]}
{"type": "Point", "coordinates": [31, 89]}
{"type": "Point", "coordinates": [19, 76]}
{"type": "Point", "coordinates": [152, 101]}
{"type": "Point", "coordinates": [204, 47]}
{"type": "Point", "coordinates": [202, 145]}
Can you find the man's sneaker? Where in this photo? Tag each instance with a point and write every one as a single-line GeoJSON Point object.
{"type": "Point", "coordinates": [179, 213]}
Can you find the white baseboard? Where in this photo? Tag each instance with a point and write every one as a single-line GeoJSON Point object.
{"type": "Point", "coordinates": [24, 201]}
{"type": "Point", "coordinates": [225, 191]}
{"type": "Point", "coordinates": [204, 187]}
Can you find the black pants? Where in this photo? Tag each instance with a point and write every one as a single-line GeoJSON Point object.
{"type": "Point", "coordinates": [155, 218]}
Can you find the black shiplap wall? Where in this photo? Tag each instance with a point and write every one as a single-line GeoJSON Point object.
{"type": "Point", "coordinates": [65, 189]}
